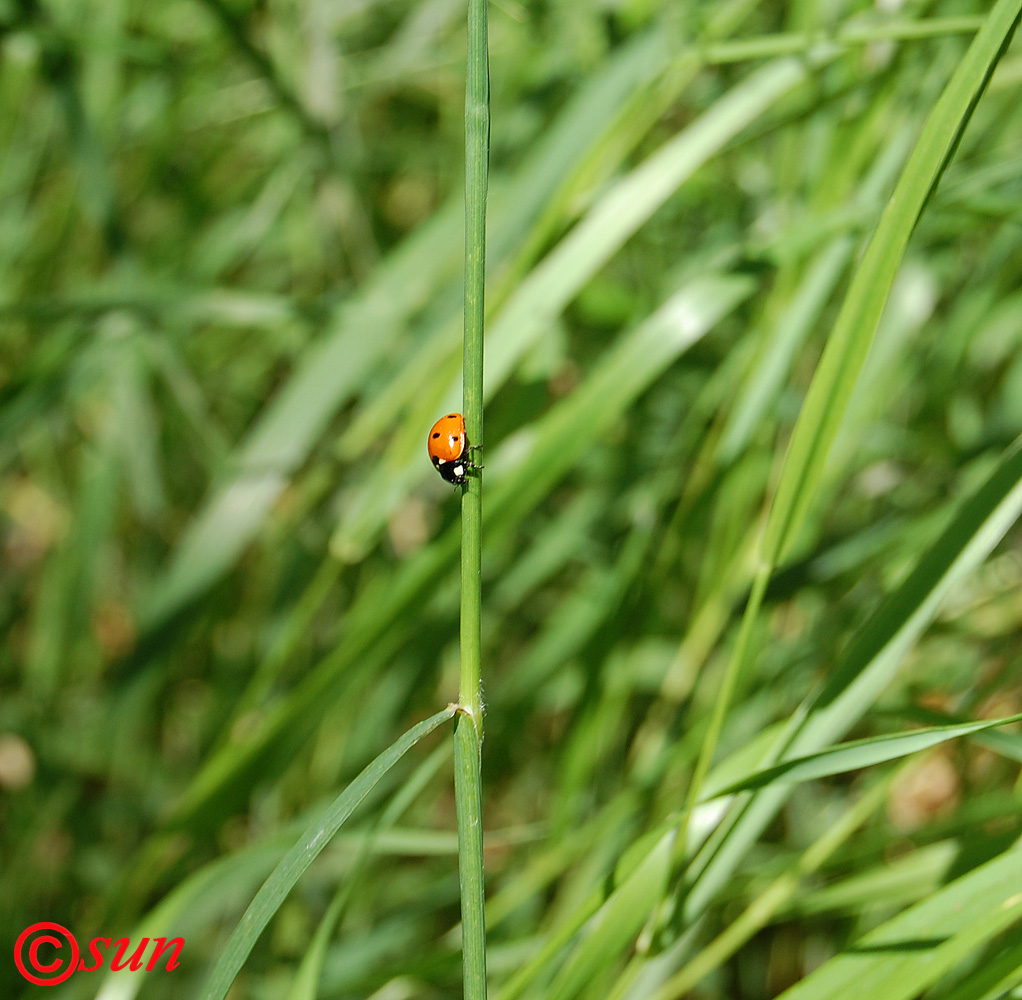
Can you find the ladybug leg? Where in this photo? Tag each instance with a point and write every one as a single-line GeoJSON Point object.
{"type": "Point", "coordinates": [471, 464]}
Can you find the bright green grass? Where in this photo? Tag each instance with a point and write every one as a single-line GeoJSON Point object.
{"type": "Point", "coordinates": [749, 556]}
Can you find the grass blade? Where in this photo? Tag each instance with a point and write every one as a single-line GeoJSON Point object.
{"type": "Point", "coordinates": [874, 656]}
{"type": "Point", "coordinates": [904, 956]}
{"type": "Point", "coordinates": [616, 922]}
{"type": "Point", "coordinates": [831, 389]}
{"type": "Point", "coordinates": [849, 342]}
{"type": "Point", "coordinates": [860, 753]}
{"type": "Point", "coordinates": [283, 878]}
{"type": "Point", "coordinates": [289, 427]}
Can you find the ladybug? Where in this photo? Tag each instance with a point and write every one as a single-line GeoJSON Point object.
{"type": "Point", "coordinates": [449, 449]}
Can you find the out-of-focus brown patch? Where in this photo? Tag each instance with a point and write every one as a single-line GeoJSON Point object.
{"type": "Point", "coordinates": [38, 522]}
{"type": "Point", "coordinates": [937, 701]}
{"type": "Point", "coordinates": [1001, 704]}
{"type": "Point", "coordinates": [788, 621]}
{"type": "Point", "coordinates": [408, 200]}
{"type": "Point", "coordinates": [410, 526]}
{"type": "Point", "coordinates": [235, 834]}
{"type": "Point", "coordinates": [246, 726]}
{"type": "Point", "coordinates": [51, 850]}
{"type": "Point", "coordinates": [114, 629]}
{"type": "Point", "coordinates": [786, 960]}
{"type": "Point", "coordinates": [564, 379]}
{"type": "Point", "coordinates": [984, 764]}
{"type": "Point", "coordinates": [924, 792]}
{"type": "Point", "coordinates": [17, 762]}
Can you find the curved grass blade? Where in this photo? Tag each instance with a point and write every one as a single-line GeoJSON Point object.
{"type": "Point", "coordinates": [873, 657]}
{"type": "Point", "coordinates": [849, 343]}
{"type": "Point", "coordinates": [617, 922]}
{"type": "Point", "coordinates": [859, 754]}
{"type": "Point", "coordinates": [283, 878]}
{"type": "Point", "coordinates": [904, 956]}
{"type": "Point", "coordinates": [843, 357]}
{"type": "Point", "coordinates": [210, 890]}
{"type": "Point", "coordinates": [305, 984]}
{"type": "Point", "coordinates": [282, 437]}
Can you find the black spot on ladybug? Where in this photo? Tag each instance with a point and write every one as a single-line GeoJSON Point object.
{"type": "Point", "coordinates": [451, 416]}
{"type": "Point", "coordinates": [436, 461]}
{"type": "Point", "coordinates": [437, 434]}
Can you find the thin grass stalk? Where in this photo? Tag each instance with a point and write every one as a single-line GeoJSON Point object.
{"type": "Point", "coordinates": [469, 734]}
{"type": "Point", "coordinates": [720, 707]}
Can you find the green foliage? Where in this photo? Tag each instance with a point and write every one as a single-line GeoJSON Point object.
{"type": "Point", "coordinates": [307, 848]}
{"type": "Point", "coordinates": [750, 558]}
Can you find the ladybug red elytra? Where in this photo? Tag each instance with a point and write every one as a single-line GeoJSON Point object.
{"type": "Point", "coordinates": [449, 449]}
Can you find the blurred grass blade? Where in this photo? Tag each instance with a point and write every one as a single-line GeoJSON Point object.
{"type": "Point", "coordinates": [305, 985]}
{"type": "Point", "coordinates": [619, 214]}
{"type": "Point", "coordinates": [579, 130]}
{"type": "Point", "coordinates": [616, 923]}
{"type": "Point", "coordinates": [997, 976]}
{"type": "Point", "coordinates": [780, 348]}
{"type": "Point", "coordinates": [209, 893]}
{"type": "Point", "coordinates": [283, 878]}
{"type": "Point", "coordinates": [849, 342]}
{"type": "Point", "coordinates": [859, 754]}
{"type": "Point", "coordinates": [838, 372]}
{"type": "Point", "coordinates": [284, 434]}
{"type": "Point", "coordinates": [904, 956]}
{"type": "Point", "coordinates": [889, 884]}
{"type": "Point", "coordinates": [768, 901]}
{"type": "Point", "coordinates": [874, 655]}
{"type": "Point", "coordinates": [568, 430]}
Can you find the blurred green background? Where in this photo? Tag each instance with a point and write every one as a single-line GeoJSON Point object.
{"type": "Point", "coordinates": [230, 309]}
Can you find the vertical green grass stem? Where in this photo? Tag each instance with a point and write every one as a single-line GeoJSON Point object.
{"type": "Point", "coordinates": [477, 141]}
{"type": "Point", "coordinates": [469, 734]}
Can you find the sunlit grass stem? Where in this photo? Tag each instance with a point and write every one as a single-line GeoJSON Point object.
{"type": "Point", "coordinates": [469, 734]}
